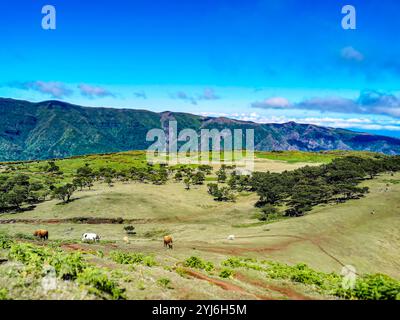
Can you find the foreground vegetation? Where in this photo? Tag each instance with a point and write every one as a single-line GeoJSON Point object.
{"type": "Point", "coordinates": [105, 283]}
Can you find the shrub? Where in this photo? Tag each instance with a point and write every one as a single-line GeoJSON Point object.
{"type": "Point", "coordinates": [149, 261]}
{"type": "Point", "coordinates": [30, 255]}
{"type": "Point", "coordinates": [226, 273]}
{"type": "Point", "coordinates": [67, 265]}
{"type": "Point", "coordinates": [4, 294]}
{"type": "Point", "coordinates": [5, 241]}
{"type": "Point", "coordinates": [233, 262]}
{"type": "Point", "coordinates": [373, 287]}
{"type": "Point", "coordinates": [164, 282]}
{"type": "Point", "coordinates": [368, 287]}
{"type": "Point", "coordinates": [301, 273]}
{"type": "Point", "coordinates": [236, 262]}
{"type": "Point", "coordinates": [126, 258]}
{"type": "Point", "coordinates": [268, 212]}
{"type": "Point", "coordinates": [100, 283]}
{"type": "Point", "coordinates": [221, 194]}
{"type": "Point", "coordinates": [129, 229]}
{"type": "Point", "coordinates": [24, 236]}
{"type": "Point", "coordinates": [132, 258]}
{"type": "Point", "coordinates": [198, 263]}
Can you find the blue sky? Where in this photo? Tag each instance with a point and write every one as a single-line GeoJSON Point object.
{"type": "Point", "coordinates": [264, 61]}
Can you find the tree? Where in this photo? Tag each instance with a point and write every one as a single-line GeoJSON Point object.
{"type": "Point", "coordinates": [199, 178]}
{"type": "Point", "coordinates": [267, 211]}
{"type": "Point", "coordinates": [129, 229]}
{"type": "Point", "coordinates": [221, 174]}
{"type": "Point", "coordinates": [36, 190]}
{"type": "Point", "coordinates": [221, 194]}
{"type": "Point", "coordinates": [178, 176]}
{"type": "Point", "coordinates": [64, 192]}
{"type": "Point", "coordinates": [17, 196]}
{"type": "Point", "coordinates": [212, 188]}
{"type": "Point", "coordinates": [52, 167]}
{"type": "Point", "coordinates": [188, 182]}
{"type": "Point", "coordinates": [84, 171]}
{"type": "Point", "coordinates": [207, 169]}
{"type": "Point", "coordinates": [78, 182]}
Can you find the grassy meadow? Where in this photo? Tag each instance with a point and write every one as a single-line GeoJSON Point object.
{"type": "Point", "coordinates": [360, 232]}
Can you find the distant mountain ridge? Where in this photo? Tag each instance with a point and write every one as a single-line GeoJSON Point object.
{"type": "Point", "coordinates": [55, 129]}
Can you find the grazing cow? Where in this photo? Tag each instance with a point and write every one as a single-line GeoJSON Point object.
{"type": "Point", "coordinates": [168, 242]}
{"type": "Point", "coordinates": [231, 237]}
{"type": "Point", "coordinates": [42, 234]}
{"type": "Point", "coordinates": [90, 237]}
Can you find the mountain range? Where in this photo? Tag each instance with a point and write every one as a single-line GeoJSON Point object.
{"type": "Point", "coordinates": [55, 129]}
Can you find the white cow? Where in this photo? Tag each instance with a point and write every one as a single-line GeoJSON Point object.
{"type": "Point", "coordinates": [90, 237]}
{"type": "Point", "coordinates": [231, 237]}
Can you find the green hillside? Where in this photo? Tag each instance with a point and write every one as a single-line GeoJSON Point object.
{"type": "Point", "coordinates": [55, 129]}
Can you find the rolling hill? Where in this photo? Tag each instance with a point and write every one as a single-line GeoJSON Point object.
{"type": "Point", "coordinates": [55, 129]}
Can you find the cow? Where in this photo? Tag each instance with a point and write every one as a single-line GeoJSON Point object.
{"type": "Point", "coordinates": [168, 242]}
{"type": "Point", "coordinates": [41, 234]}
{"type": "Point", "coordinates": [231, 237]}
{"type": "Point", "coordinates": [90, 237]}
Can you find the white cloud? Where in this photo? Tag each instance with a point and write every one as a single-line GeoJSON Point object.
{"type": "Point", "coordinates": [349, 53]}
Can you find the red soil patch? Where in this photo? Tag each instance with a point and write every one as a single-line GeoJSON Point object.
{"type": "Point", "coordinates": [287, 292]}
{"type": "Point", "coordinates": [224, 285]}
{"type": "Point", "coordinates": [75, 247]}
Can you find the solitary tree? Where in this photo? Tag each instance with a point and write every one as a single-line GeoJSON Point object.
{"type": "Point", "coordinates": [64, 192]}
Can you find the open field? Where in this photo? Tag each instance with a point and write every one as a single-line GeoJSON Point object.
{"type": "Point", "coordinates": [362, 233]}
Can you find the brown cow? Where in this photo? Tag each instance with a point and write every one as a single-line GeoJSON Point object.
{"type": "Point", "coordinates": [42, 234]}
{"type": "Point", "coordinates": [168, 242]}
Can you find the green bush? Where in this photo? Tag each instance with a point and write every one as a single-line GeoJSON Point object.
{"type": "Point", "coordinates": [100, 283]}
{"type": "Point", "coordinates": [132, 258]}
{"type": "Point", "coordinates": [226, 273]}
{"type": "Point", "coordinates": [233, 262]}
{"type": "Point", "coordinates": [248, 263]}
{"type": "Point", "coordinates": [164, 282]}
{"type": "Point", "coordinates": [5, 241]}
{"type": "Point", "coordinates": [66, 265]}
{"type": "Point", "coordinates": [31, 256]}
{"type": "Point", "coordinates": [368, 287]}
{"type": "Point", "coordinates": [373, 287]}
{"type": "Point", "coordinates": [24, 236]}
{"type": "Point", "coordinates": [4, 294]}
{"type": "Point", "coordinates": [198, 263]}
{"type": "Point", "coordinates": [149, 261]}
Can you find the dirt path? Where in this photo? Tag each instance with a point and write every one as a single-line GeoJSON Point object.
{"type": "Point", "coordinates": [225, 285]}
{"type": "Point", "coordinates": [286, 292]}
